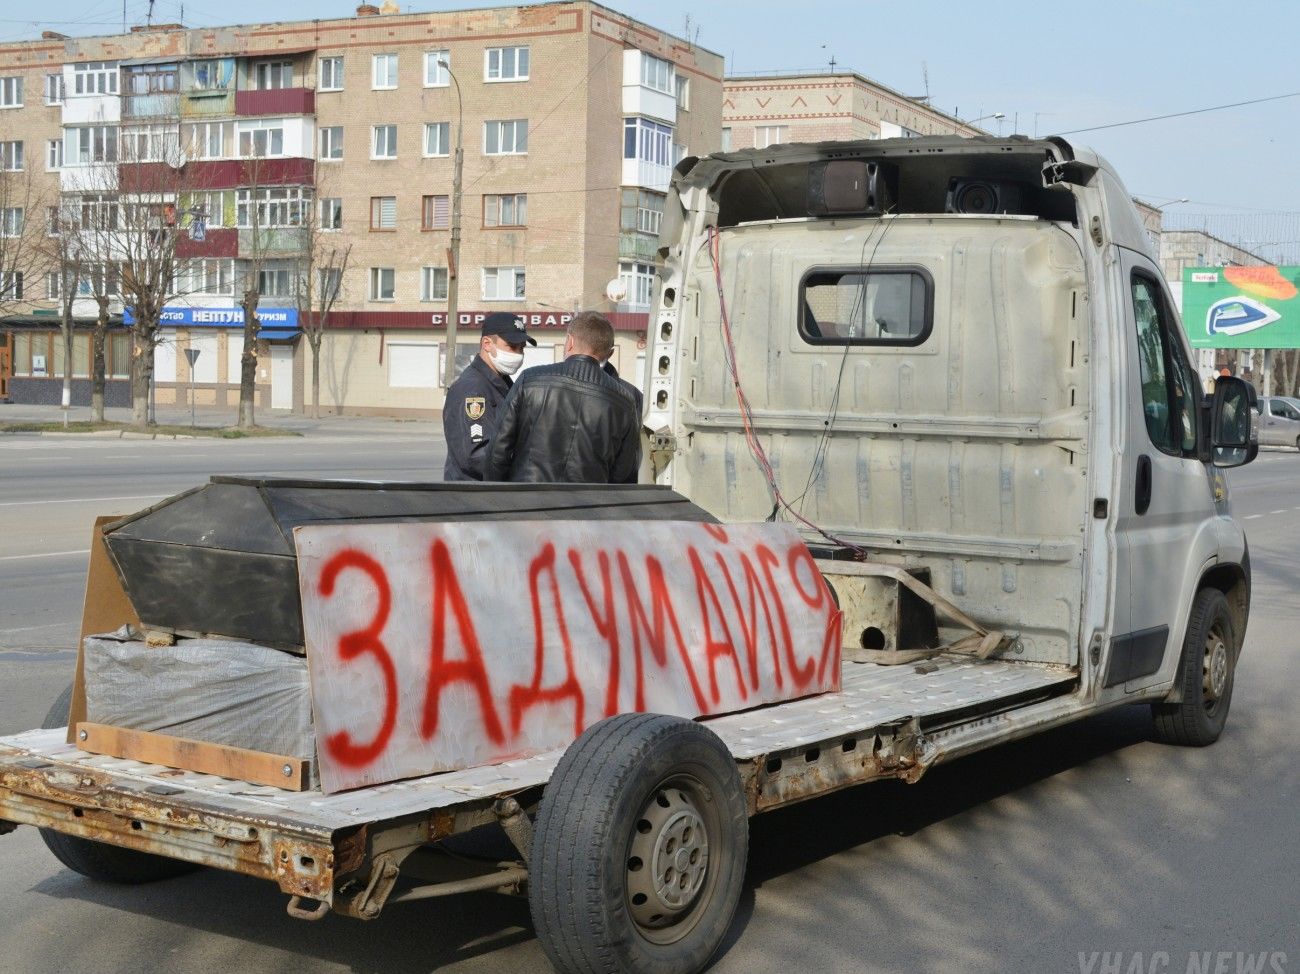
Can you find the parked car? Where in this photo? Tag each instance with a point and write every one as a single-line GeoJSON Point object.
{"type": "Point", "coordinates": [1279, 421]}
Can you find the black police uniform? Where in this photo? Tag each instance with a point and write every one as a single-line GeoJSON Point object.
{"type": "Point", "coordinates": [470, 418]}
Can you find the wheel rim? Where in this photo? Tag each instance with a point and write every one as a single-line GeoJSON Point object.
{"type": "Point", "coordinates": [669, 879]}
{"type": "Point", "coordinates": [1214, 670]}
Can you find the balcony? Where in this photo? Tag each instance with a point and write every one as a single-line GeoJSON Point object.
{"type": "Point", "coordinates": [218, 242]}
{"type": "Point", "coordinates": [649, 175]}
{"type": "Point", "coordinates": [275, 242]}
{"type": "Point", "coordinates": [637, 246]}
{"type": "Point", "coordinates": [276, 101]}
{"type": "Point", "coordinates": [160, 105]}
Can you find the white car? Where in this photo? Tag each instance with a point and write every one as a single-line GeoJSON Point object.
{"type": "Point", "coordinates": [1279, 421]}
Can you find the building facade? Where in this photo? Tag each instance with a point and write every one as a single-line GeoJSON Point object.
{"type": "Point", "coordinates": [763, 110]}
{"type": "Point", "coordinates": [282, 154]}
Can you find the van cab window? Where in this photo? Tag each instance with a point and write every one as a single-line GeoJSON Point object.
{"type": "Point", "coordinates": [1168, 387]}
{"type": "Point", "coordinates": [889, 306]}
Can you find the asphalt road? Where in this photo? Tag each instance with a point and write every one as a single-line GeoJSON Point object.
{"type": "Point", "coordinates": [1083, 850]}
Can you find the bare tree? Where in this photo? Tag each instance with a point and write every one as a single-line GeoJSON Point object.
{"type": "Point", "coordinates": [321, 269]}
{"type": "Point", "coordinates": [64, 248]}
{"type": "Point", "coordinates": [24, 256]}
{"type": "Point", "coordinates": [251, 293]}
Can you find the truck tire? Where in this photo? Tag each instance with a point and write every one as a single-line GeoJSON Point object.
{"type": "Point", "coordinates": [97, 860]}
{"type": "Point", "coordinates": [639, 849]}
{"type": "Point", "coordinates": [1205, 675]}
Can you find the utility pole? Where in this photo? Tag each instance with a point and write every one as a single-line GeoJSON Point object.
{"type": "Point", "coordinates": [453, 252]}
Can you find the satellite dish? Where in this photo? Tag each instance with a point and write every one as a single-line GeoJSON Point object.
{"type": "Point", "coordinates": [616, 290]}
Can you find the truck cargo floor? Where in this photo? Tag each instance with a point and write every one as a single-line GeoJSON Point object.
{"type": "Point", "coordinates": [872, 696]}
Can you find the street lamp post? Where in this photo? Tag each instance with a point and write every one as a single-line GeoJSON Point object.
{"type": "Point", "coordinates": [996, 115]}
{"type": "Point", "coordinates": [453, 259]}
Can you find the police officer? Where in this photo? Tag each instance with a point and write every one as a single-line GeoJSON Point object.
{"type": "Point", "coordinates": [469, 417]}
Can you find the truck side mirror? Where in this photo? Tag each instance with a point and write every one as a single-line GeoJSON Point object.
{"type": "Point", "coordinates": [1234, 423]}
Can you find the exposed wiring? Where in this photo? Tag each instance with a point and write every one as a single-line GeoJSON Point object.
{"type": "Point", "coordinates": [1194, 111]}
{"type": "Point", "coordinates": [746, 412]}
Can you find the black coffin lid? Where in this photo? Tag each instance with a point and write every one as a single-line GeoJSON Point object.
{"type": "Point", "coordinates": [219, 559]}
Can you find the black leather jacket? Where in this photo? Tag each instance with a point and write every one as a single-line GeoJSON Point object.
{"type": "Point", "coordinates": [568, 423]}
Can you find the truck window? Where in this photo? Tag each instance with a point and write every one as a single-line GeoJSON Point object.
{"type": "Point", "coordinates": [1168, 394]}
{"type": "Point", "coordinates": [889, 306]}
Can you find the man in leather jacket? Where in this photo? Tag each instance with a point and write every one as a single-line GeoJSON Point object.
{"type": "Point", "coordinates": [571, 422]}
{"type": "Point", "coordinates": [474, 400]}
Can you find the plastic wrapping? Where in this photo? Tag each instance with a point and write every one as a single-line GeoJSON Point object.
{"type": "Point", "coordinates": [216, 690]}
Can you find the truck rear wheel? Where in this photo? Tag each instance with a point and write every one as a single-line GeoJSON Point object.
{"type": "Point", "coordinates": [1205, 675]}
{"type": "Point", "coordinates": [97, 860]}
{"type": "Point", "coordinates": [639, 849]}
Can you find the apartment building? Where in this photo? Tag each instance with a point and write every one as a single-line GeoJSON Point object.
{"type": "Point", "coordinates": [262, 146]}
{"type": "Point", "coordinates": [767, 109]}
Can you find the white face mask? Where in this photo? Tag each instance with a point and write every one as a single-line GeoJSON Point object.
{"type": "Point", "coordinates": [507, 363]}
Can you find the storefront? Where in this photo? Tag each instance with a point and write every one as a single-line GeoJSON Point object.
{"type": "Point", "coordinates": [33, 359]}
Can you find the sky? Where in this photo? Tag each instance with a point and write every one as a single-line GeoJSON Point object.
{"type": "Point", "coordinates": [1049, 68]}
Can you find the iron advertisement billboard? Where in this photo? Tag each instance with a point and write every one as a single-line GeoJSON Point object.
{"type": "Point", "coordinates": [1242, 307]}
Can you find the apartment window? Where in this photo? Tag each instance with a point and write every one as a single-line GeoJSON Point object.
{"type": "Point", "coordinates": [507, 138]}
{"type": "Point", "coordinates": [54, 89]}
{"type": "Point", "coordinates": [212, 276]}
{"type": "Point", "coordinates": [211, 205]}
{"type": "Point", "coordinates": [437, 138]}
{"type": "Point", "coordinates": [765, 135]}
{"type": "Point", "coordinates": [433, 284]}
{"type": "Point", "coordinates": [725, 144]}
{"type": "Point", "coordinates": [54, 285]}
{"type": "Point", "coordinates": [53, 221]}
{"type": "Point", "coordinates": [510, 210]}
{"type": "Point", "coordinates": [212, 75]}
{"type": "Point", "coordinates": [208, 140]}
{"type": "Point", "coordinates": [95, 78]}
{"type": "Point", "coordinates": [11, 221]}
{"type": "Point", "coordinates": [435, 213]}
{"type": "Point", "coordinates": [503, 284]}
{"type": "Point", "coordinates": [383, 71]}
{"type": "Point", "coordinates": [382, 286]}
{"type": "Point", "coordinates": [11, 156]}
{"type": "Point", "coordinates": [271, 206]}
{"type": "Point", "coordinates": [383, 213]}
{"type": "Point", "coordinates": [151, 79]}
{"type": "Point", "coordinates": [261, 139]}
{"type": "Point", "coordinates": [150, 143]}
{"type": "Point", "coordinates": [331, 213]}
{"type": "Point", "coordinates": [272, 74]}
{"type": "Point", "coordinates": [331, 74]}
{"type": "Point", "coordinates": [683, 92]}
{"type": "Point", "coordinates": [435, 74]}
{"type": "Point", "coordinates": [383, 142]}
{"type": "Point", "coordinates": [100, 211]}
{"type": "Point", "coordinates": [639, 279]}
{"type": "Point", "coordinates": [11, 285]}
{"type": "Point", "coordinates": [505, 64]}
{"type": "Point", "coordinates": [331, 142]}
{"type": "Point", "coordinates": [330, 282]}
{"type": "Point", "coordinates": [642, 211]}
{"type": "Point", "coordinates": [274, 282]}
{"type": "Point", "coordinates": [657, 73]}
{"type": "Point", "coordinates": [647, 141]}
{"type": "Point", "coordinates": [93, 279]}
{"type": "Point", "coordinates": [11, 92]}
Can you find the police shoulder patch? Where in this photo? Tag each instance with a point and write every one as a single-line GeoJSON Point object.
{"type": "Point", "coordinates": [475, 407]}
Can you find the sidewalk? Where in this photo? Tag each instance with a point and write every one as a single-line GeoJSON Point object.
{"type": "Point", "coordinates": [173, 416]}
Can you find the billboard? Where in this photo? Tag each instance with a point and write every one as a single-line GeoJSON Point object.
{"type": "Point", "coordinates": [1242, 307]}
{"type": "Point", "coordinates": [183, 316]}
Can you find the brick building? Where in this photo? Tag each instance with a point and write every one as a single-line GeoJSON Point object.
{"type": "Point", "coordinates": [571, 118]}
{"type": "Point", "coordinates": [762, 110]}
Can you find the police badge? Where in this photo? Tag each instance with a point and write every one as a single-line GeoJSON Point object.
{"type": "Point", "coordinates": [475, 407]}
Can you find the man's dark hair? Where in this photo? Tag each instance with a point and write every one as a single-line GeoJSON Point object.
{"type": "Point", "coordinates": [592, 334]}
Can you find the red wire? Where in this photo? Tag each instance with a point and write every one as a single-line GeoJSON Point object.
{"type": "Point", "coordinates": [746, 415]}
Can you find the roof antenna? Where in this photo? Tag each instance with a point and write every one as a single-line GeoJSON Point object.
{"type": "Point", "coordinates": [925, 80]}
{"type": "Point", "coordinates": [149, 16]}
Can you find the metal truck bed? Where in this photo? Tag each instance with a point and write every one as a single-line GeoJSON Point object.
{"type": "Point", "coordinates": [876, 726]}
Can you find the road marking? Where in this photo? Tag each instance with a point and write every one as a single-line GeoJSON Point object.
{"type": "Point", "coordinates": [48, 625]}
{"type": "Point", "coordinates": [122, 456]}
{"type": "Point", "coordinates": [1283, 511]}
{"type": "Point", "coordinates": [1251, 517]}
{"type": "Point", "coordinates": [46, 554]}
{"type": "Point", "coordinates": [83, 500]}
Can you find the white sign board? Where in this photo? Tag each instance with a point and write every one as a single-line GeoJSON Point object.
{"type": "Point", "coordinates": [434, 647]}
